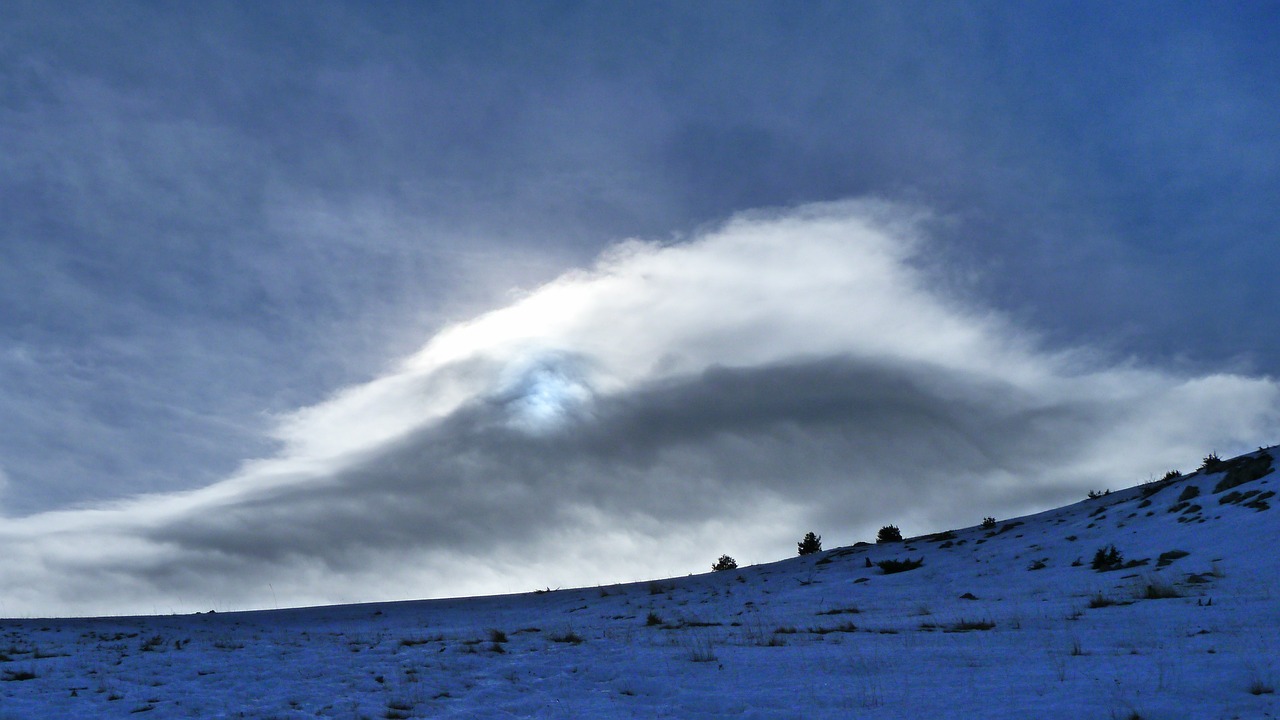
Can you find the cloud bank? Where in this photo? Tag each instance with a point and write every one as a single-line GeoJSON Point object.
{"type": "Point", "coordinates": [185, 191]}
{"type": "Point", "coordinates": [786, 371]}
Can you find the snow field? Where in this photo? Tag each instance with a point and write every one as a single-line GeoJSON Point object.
{"type": "Point", "coordinates": [1002, 622]}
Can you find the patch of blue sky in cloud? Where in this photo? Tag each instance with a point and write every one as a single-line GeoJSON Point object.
{"type": "Point", "coordinates": [545, 393]}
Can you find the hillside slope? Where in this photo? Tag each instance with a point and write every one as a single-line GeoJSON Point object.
{"type": "Point", "coordinates": [1007, 621]}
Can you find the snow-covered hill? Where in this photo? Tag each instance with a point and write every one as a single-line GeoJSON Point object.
{"type": "Point", "coordinates": [1005, 621]}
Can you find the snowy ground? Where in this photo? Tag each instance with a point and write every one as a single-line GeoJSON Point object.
{"type": "Point", "coordinates": [998, 623]}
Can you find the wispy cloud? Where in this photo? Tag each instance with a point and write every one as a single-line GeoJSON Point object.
{"type": "Point", "coordinates": [785, 371]}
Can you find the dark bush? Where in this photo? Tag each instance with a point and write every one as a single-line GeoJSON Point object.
{"type": "Point", "coordinates": [810, 544]}
{"type": "Point", "coordinates": [1244, 470]}
{"type": "Point", "coordinates": [889, 533]}
{"type": "Point", "coordinates": [889, 567]}
{"type": "Point", "coordinates": [963, 625]}
{"type": "Point", "coordinates": [1190, 492]}
{"type": "Point", "coordinates": [725, 563]}
{"type": "Point", "coordinates": [988, 523]}
{"type": "Point", "coordinates": [1107, 558]}
{"type": "Point", "coordinates": [1211, 464]}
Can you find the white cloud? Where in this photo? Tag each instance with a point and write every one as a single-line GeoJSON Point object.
{"type": "Point", "coordinates": [784, 372]}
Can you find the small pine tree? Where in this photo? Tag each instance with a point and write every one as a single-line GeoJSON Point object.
{"type": "Point", "coordinates": [1212, 463]}
{"type": "Point", "coordinates": [810, 544]}
{"type": "Point", "coordinates": [889, 533]}
{"type": "Point", "coordinates": [725, 563]}
{"type": "Point", "coordinates": [988, 523]}
{"type": "Point", "coordinates": [1107, 558]}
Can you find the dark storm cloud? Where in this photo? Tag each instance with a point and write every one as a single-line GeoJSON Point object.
{"type": "Point", "coordinates": [781, 372]}
{"type": "Point", "coordinates": [678, 451]}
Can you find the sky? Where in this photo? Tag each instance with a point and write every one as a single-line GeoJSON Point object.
{"type": "Point", "coordinates": [326, 302]}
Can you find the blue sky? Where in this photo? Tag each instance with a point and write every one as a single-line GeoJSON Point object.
{"type": "Point", "coordinates": [234, 239]}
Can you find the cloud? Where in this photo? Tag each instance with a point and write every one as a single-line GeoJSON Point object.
{"type": "Point", "coordinates": [785, 371]}
{"type": "Point", "coordinates": [186, 193]}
